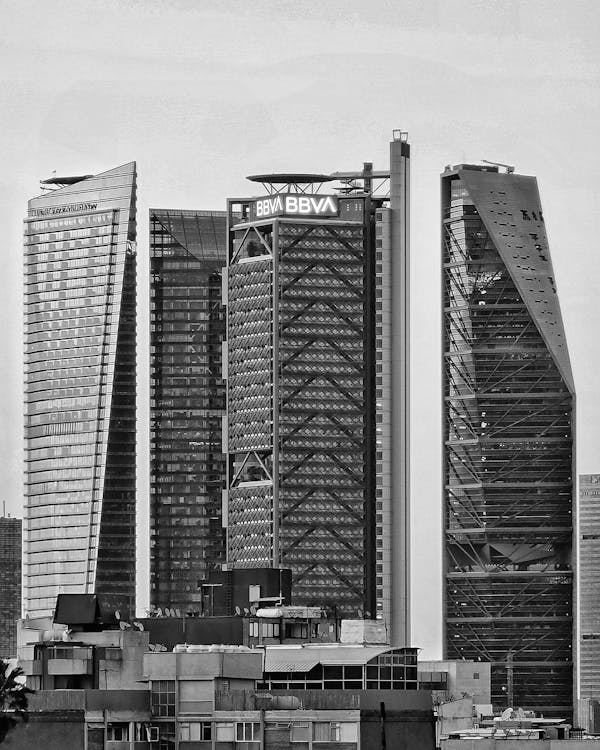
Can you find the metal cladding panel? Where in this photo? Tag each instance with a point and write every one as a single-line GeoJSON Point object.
{"type": "Point", "coordinates": [250, 357]}
{"type": "Point", "coordinates": [187, 392]}
{"type": "Point", "coordinates": [589, 585]}
{"type": "Point", "coordinates": [511, 210]}
{"type": "Point", "coordinates": [508, 433]}
{"type": "Point", "coordinates": [80, 267]}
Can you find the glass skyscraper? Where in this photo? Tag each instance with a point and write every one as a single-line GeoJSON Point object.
{"type": "Point", "coordinates": [80, 325]}
{"type": "Point", "coordinates": [508, 442]}
{"type": "Point", "coordinates": [317, 418]}
{"type": "Point", "coordinates": [187, 394]}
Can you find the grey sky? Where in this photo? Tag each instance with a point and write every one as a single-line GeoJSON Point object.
{"type": "Point", "coordinates": [202, 94]}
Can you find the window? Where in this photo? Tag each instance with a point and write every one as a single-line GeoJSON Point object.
{"type": "Point", "coordinates": [117, 732]}
{"type": "Point", "coordinates": [247, 731]}
{"type": "Point", "coordinates": [270, 629]}
{"type": "Point", "coordinates": [299, 732]}
{"type": "Point", "coordinates": [163, 697]}
{"type": "Point", "coordinates": [195, 731]}
{"type": "Point", "coordinates": [253, 629]}
{"type": "Point", "coordinates": [475, 675]}
{"type": "Point", "coordinates": [225, 732]}
{"type": "Point", "coordinates": [326, 731]}
{"type": "Point", "coordinates": [335, 731]}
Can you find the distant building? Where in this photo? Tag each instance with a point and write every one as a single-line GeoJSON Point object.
{"type": "Point", "coordinates": [589, 602]}
{"type": "Point", "coordinates": [317, 389]}
{"type": "Point", "coordinates": [187, 403]}
{"type": "Point", "coordinates": [10, 585]}
{"type": "Point", "coordinates": [452, 680]}
{"type": "Point", "coordinates": [80, 391]}
{"type": "Point", "coordinates": [508, 442]}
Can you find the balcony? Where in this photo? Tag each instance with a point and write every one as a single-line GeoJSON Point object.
{"type": "Point", "coordinates": [70, 660]}
{"type": "Point", "coordinates": [70, 667]}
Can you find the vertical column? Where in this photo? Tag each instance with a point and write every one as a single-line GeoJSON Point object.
{"type": "Point", "coordinates": [400, 435]}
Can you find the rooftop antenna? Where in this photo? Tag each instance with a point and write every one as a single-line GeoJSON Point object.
{"type": "Point", "coordinates": [509, 168]}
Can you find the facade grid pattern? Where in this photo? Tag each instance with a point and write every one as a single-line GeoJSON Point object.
{"type": "Point", "coordinates": [589, 586]}
{"type": "Point", "coordinates": [187, 403]}
{"type": "Point", "coordinates": [508, 444]}
{"type": "Point", "coordinates": [80, 267]}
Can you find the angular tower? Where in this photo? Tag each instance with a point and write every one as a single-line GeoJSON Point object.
{"type": "Point", "coordinates": [80, 316]}
{"type": "Point", "coordinates": [508, 406]}
{"type": "Point", "coordinates": [318, 387]}
{"type": "Point", "coordinates": [187, 403]}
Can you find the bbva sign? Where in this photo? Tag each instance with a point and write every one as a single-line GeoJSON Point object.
{"type": "Point", "coordinates": [296, 204]}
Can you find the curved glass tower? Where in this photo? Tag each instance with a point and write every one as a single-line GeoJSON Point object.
{"type": "Point", "coordinates": [508, 442]}
{"type": "Point", "coordinates": [80, 266]}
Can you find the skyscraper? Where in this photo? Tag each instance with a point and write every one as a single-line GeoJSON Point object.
{"type": "Point", "coordinates": [10, 585]}
{"type": "Point", "coordinates": [187, 397]}
{"type": "Point", "coordinates": [317, 425]}
{"type": "Point", "coordinates": [508, 408]}
{"type": "Point", "coordinates": [80, 269]}
{"type": "Point", "coordinates": [589, 590]}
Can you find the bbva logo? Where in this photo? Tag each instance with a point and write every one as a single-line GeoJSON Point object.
{"type": "Point", "coordinates": [297, 204]}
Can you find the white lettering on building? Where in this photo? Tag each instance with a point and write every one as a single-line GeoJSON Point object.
{"type": "Point", "coordinates": [305, 205]}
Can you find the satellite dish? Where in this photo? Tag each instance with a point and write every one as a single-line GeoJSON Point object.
{"type": "Point", "coordinates": [138, 625]}
{"type": "Point", "coordinates": [124, 625]}
{"type": "Point", "coordinates": [360, 614]}
{"type": "Point", "coordinates": [152, 647]}
{"type": "Point", "coordinates": [160, 647]}
{"type": "Point", "coordinates": [159, 612]}
{"type": "Point", "coordinates": [117, 614]}
{"type": "Point", "coordinates": [238, 611]}
{"type": "Point", "coordinates": [177, 613]}
{"type": "Point", "coordinates": [246, 611]}
{"type": "Point", "coordinates": [253, 609]}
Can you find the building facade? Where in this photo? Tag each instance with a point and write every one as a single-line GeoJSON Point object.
{"type": "Point", "coordinates": [187, 403]}
{"type": "Point", "coordinates": [588, 655]}
{"type": "Point", "coordinates": [80, 317]}
{"type": "Point", "coordinates": [10, 584]}
{"type": "Point", "coordinates": [508, 406]}
{"type": "Point", "coordinates": [314, 414]}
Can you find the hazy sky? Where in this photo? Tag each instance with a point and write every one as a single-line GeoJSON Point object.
{"type": "Point", "coordinates": [202, 94]}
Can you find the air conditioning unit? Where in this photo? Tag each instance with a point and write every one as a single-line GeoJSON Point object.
{"type": "Point", "coordinates": [152, 734]}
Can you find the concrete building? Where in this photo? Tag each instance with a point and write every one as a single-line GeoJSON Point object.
{"type": "Point", "coordinates": [452, 680]}
{"type": "Point", "coordinates": [91, 719]}
{"type": "Point", "coordinates": [187, 403]}
{"type": "Point", "coordinates": [314, 414]}
{"type": "Point", "coordinates": [80, 327]}
{"type": "Point", "coordinates": [508, 405]}
{"type": "Point", "coordinates": [205, 697]}
{"type": "Point", "coordinates": [10, 584]}
{"type": "Point", "coordinates": [88, 679]}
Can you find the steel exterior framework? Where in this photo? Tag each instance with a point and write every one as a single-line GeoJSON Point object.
{"type": "Point", "coordinates": [508, 442]}
{"type": "Point", "coordinates": [301, 476]}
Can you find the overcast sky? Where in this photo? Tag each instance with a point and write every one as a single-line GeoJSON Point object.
{"type": "Point", "coordinates": [202, 94]}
